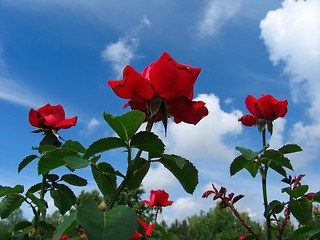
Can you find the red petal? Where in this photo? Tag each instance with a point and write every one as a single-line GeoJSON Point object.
{"type": "Point", "coordinates": [187, 111]}
{"type": "Point", "coordinates": [147, 202]}
{"type": "Point", "coordinates": [172, 80]}
{"type": "Point", "coordinates": [133, 86]}
{"type": "Point", "coordinates": [248, 120]}
{"type": "Point", "coordinates": [53, 115]}
{"type": "Point", "coordinates": [35, 118]}
{"type": "Point", "coordinates": [149, 230]}
{"type": "Point", "coordinates": [251, 103]}
{"type": "Point", "coordinates": [67, 123]}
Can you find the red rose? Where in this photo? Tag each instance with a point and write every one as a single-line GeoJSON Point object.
{"type": "Point", "coordinates": [158, 198]}
{"type": "Point", "coordinates": [164, 88]}
{"type": "Point", "coordinates": [50, 117]}
{"type": "Point", "coordinates": [148, 229]}
{"type": "Point", "coordinates": [266, 107]}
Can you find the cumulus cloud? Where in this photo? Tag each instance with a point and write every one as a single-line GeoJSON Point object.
{"type": "Point", "coordinates": [206, 139]}
{"type": "Point", "coordinates": [120, 53]}
{"type": "Point", "coordinates": [292, 36]}
{"type": "Point", "coordinates": [90, 127]}
{"type": "Point", "coordinates": [159, 178]}
{"type": "Point", "coordinates": [216, 14]}
{"type": "Point", "coordinates": [185, 207]}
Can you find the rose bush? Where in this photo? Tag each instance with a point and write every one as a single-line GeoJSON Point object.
{"type": "Point", "coordinates": [50, 117]}
{"type": "Point", "coordinates": [164, 89]}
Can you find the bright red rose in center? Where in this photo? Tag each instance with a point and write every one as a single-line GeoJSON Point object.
{"type": "Point", "coordinates": [158, 198]}
{"type": "Point", "coordinates": [50, 117]}
{"type": "Point", "coordinates": [165, 88]}
{"type": "Point", "coordinates": [266, 107]}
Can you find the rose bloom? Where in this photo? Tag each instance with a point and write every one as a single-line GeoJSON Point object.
{"type": "Point", "coordinates": [50, 117]}
{"type": "Point", "coordinates": [148, 229]}
{"type": "Point", "coordinates": [165, 88]}
{"type": "Point", "coordinates": [158, 198]}
{"type": "Point", "coordinates": [266, 107]}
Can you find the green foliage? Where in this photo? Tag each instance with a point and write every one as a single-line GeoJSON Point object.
{"type": "Point", "coordinates": [125, 125]}
{"type": "Point", "coordinates": [187, 175]}
{"type": "Point", "coordinates": [102, 145]}
{"type": "Point", "coordinates": [106, 225]}
{"type": "Point", "coordinates": [147, 141]}
{"type": "Point", "coordinates": [26, 161]}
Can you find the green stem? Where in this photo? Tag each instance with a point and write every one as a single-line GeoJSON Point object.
{"type": "Point", "coordinates": [155, 218]}
{"type": "Point", "coordinates": [264, 189]}
{"type": "Point", "coordinates": [130, 164]}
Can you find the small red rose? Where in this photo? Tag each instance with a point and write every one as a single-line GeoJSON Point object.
{"type": "Point", "coordinates": [158, 198]}
{"type": "Point", "coordinates": [148, 229]}
{"type": "Point", "coordinates": [50, 117]}
{"type": "Point", "coordinates": [164, 89]}
{"type": "Point", "coordinates": [267, 108]}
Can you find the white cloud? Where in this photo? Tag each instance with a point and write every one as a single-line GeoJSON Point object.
{"type": "Point", "coordinates": [16, 92]}
{"type": "Point", "coordinates": [206, 139]}
{"type": "Point", "coordinates": [123, 51]}
{"type": "Point", "coordinates": [185, 207]}
{"type": "Point", "coordinates": [292, 36]}
{"type": "Point", "coordinates": [276, 140]}
{"type": "Point", "coordinates": [216, 14]}
{"type": "Point", "coordinates": [91, 127]}
{"type": "Point", "coordinates": [159, 178]}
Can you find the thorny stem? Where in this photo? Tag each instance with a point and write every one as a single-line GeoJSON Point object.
{"type": "Point", "coordinates": [236, 213]}
{"type": "Point", "coordinates": [156, 215]}
{"type": "Point", "coordinates": [264, 189]}
{"type": "Point", "coordinates": [130, 165]}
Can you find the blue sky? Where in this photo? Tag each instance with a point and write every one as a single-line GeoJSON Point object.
{"type": "Point", "coordinates": [64, 52]}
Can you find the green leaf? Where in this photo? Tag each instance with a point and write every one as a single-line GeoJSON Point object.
{"type": "Point", "coordinates": [74, 146]}
{"type": "Point", "coordinates": [47, 226]}
{"type": "Point", "coordinates": [301, 210]}
{"type": "Point", "coordinates": [125, 125]}
{"type": "Point", "coordinates": [8, 190]}
{"type": "Point", "coordinates": [52, 177]}
{"type": "Point", "coordinates": [275, 207]}
{"type": "Point", "coordinates": [298, 191]}
{"type": "Point", "coordinates": [53, 159]}
{"type": "Point", "coordinates": [10, 203]}
{"type": "Point", "coordinates": [37, 187]}
{"type": "Point", "coordinates": [26, 161]}
{"type": "Point", "coordinates": [68, 223]}
{"type": "Point", "coordinates": [252, 168]}
{"type": "Point", "coordinates": [277, 157]}
{"type": "Point", "coordinates": [290, 148]}
{"type": "Point", "coordinates": [105, 178]}
{"type": "Point", "coordinates": [316, 197]}
{"type": "Point", "coordinates": [249, 154]}
{"type": "Point", "coordinates": [102, 145]}
{"type": "Point", "coordinates": [138, 172]}
{"type": "Point", "coordinates": [74, 180]}
{"type": "Point", "coordinates": [45, 148]}
{"type": "Point", "coordinates": [63, 197]}
{"type": "Point", "coordinates": [180, 161]}
{"type": "Point", "coordinates": [301, 231]}
{"type": "Point", "coordinates": [40, 203]}
{"type": "Point", "coordinates": [238, 164]}
{"type": "Point", "coordinates": [279, 169]}
{"type": "Point", "coordinates": [22, 225]}
{"type": "Point", "coordinates": [147, 141]}
{"type": "Point", "coordinates": [76, 162]}
{"type": "Point", "coordinates": [187, 176]}
{"type": "Point", "coordinates": [119, 223]}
